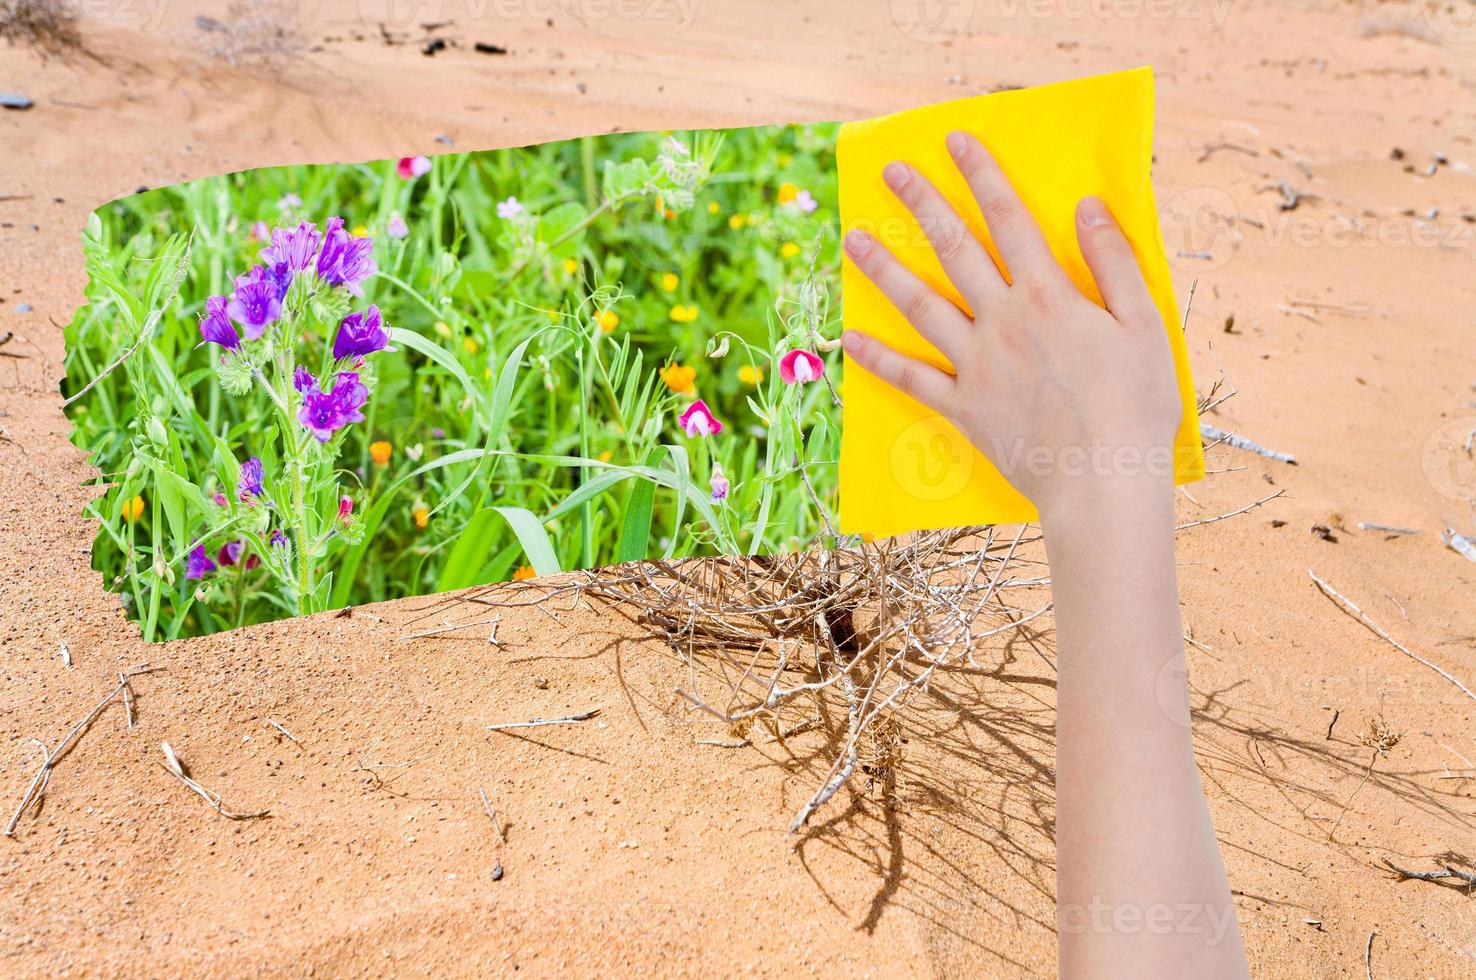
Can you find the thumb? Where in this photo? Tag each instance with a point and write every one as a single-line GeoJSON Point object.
{"type": "Point", "coordinates": [1113, 264]}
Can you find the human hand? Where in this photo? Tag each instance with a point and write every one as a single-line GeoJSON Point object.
{"type": "Point", "coordinates": [1067, 399]}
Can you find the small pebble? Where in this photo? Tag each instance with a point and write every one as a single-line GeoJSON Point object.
{"type": "Point", "coordinates": [14, 100]}
{"type": "Point", "coordinates": [23, 308]}
{"type": "Point", "coordinates": [497, 872]}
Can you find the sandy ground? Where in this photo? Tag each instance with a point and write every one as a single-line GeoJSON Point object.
{"type": "Point", "coordinates": [630, 848]}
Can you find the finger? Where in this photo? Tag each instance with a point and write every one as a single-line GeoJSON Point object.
{"type": "Point", "coordinates": [1021, 245]}
{"type": "Point", "coordinates": [1114, 266]}
{"type": "Point", "coordinates": [963, 256]}
{"type": "Point", "coordinates": [913, 378]}
{"type": "Point", "coordinates": [942, 323]}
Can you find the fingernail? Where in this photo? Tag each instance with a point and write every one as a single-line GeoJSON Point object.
{"type": "Point", "coordinates": [851, 341]}
{"type": "Point", "coordinates": [858, 243]}
{"type": "Point", "coordinates": [897, 175]}
{"type": "Point", "coordinates": [958, 144]}
{"type": "Point", "coordinates": [1091, 211]}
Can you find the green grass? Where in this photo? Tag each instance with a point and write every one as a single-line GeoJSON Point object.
{"type": "Point", "coordinates": [523, 434]}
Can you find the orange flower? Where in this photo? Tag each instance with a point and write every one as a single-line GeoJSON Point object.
{"type": "Point", "coordinates": [524, 572]}
{"type": "Point", "coordinates": [787, 192]}
{"type": "Point", "coordinates": [679, 378]}
{"type": "Point", "coordinates": [380, 452]}
{"type": "Point", "coordinates": [422, 517]}
{"type": "Point", "coordinates": [133, 508]}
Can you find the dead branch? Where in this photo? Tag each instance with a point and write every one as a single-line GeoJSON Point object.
{"type": "Point", "coordinates": [177, 769]}
{"type": "Point", "coordinates": [536, 722]}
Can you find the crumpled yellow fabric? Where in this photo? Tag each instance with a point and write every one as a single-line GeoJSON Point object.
{"type": "Point", "coordinates": [902, 466]}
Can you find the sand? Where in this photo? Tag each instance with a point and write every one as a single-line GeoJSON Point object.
{"type": "Point", "coordinates": [630, 847]}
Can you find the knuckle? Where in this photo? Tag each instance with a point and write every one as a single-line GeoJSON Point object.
{"type": "Point", "coordinates": [1040, 294]}
{"type": "Point", "coordinates": [918, 307]}
{"type": "Point", "coordinates": [996, 209]}
{"type": "Point", "coordinates": [907, 379]}
{"type": "Point", "coordinates": [950, 239]}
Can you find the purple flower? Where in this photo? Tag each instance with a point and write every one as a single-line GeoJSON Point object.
{"type": "Point", "coordinates": [345, 260]}
{"type": "Point", "coordinates": [215, 324]}
{"type": "Point", "coordinates": [396, 227]}
{"type": "Point", "coordinates": [198, 564]}
{"type": "Point", "coordinates": [219, 499]}
{"type": "Point", "coordinates": [258, 300]}
{"type": "Point", "coordinates": [302, 379]}
{"type": "Point", "coordinates": [278, 538]}
{"type": "Point", "coordinates": [288, 201]}
{"type": "Point", "coordinates": [360, 334]}
{"type": "Point", "coordinates": [324, 413]}
{"type": "Point", "coordinates": [720, 484]}
{"type": "Point", "coordinates": [229, 553]}
{"type": "Point", "coordinates": [805, 202]}
{"type": "Point", "coordinates": [250, 483]}
{"type": "Point", "coordinates": [510, 208]}
{"type": "Point", "coordinates": [294, 248]}
{"type": "Point", "coordinates": [261, 231]}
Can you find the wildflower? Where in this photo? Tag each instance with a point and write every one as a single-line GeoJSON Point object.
{"type": "Point", "coordinates": [345, 260]}
{"type": "Point", "coordinates": [805, 202]}
{"type": "Point", "coordinates": [288, 202]}
{"type": "Point", "coordinates": [395, 227]}
{"type": "Point", "coordinates": [571, 266]}
{"type": "Point", "coordinates": [229, 553]}
{"type": "Point", "coordinates": [249, 485]}
{"type": "Point", "coordinates": [257, 301]}
{"type": "Point", "coordinates": [360, 334]}
{"type": "Point", "coordinates": [698, 421]}
{"type": "Point", "coordinates": [438, 433]}
{"type": "Point", "coordinates": [788, 250]}
{"type": "Point", "coordinates": [713, 207]}
{"type": "Point", "coordinates": [787, 193]}
{"type": "Point", "coordinates": [800, 367]}
{"type": "Point", "coordinates": [380, 452]}
{"type": "Point", "coordinates": [670, 281]}
{"type": "Point", "coordinates": [216, 326]}
{"type": "Point", "coordinates": [606, 455]}
{"type": "Point", "coordinates": [524, 572]}
{"type": "Point", "coordinates": [720, 484]}
{"type": "Point", "coordinates": [442, 329]}
{"type": "Point", "coordinates": [198, 564]}
{"type": "Point", "coordinates": [293, 247]}
{"type": "Point", "coordinates": [421, 516]}
{"type": "Point", "coordinates": [679, 378]}
{"type": "Point", "coordinates": [324, 413]}
{"type": "Point", "coordinates": [261, 231]}
{"type": "Point", "coordinates": [510, 208]}
{"type": "Point", "coordinates": [411, 167]}
{"type": "Point", "coordinates": [737, 221]}
{"type": "Point", "coordinates": [360, 231]}
{"type": "Point", "coordinates": [133, 508]}
{"type": "Point", "coordinates": [302, 379]}
{"type": "Point", "coordinates": [683, 313]}
{"type": "Point", "coordinates": [608, 320]}
{"type": "Point", "coordinates": [345, 509]}
{"type": "Point", "coordinates": [471, 345]}
{"type": "Point", "coordinates": [751, 375]}
{"type": "Point", "coordinates": [278, 538]}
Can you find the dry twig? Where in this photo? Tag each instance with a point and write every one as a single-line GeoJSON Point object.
{"type": "Point", "coordinates": [536, 722]}
{"type": "Point", "coordinates": [177, 769]}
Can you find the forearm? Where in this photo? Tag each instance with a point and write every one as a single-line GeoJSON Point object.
{"type": "Point", "coordinates": [1141, 888]}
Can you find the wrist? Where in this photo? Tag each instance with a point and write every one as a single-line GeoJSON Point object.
{"type": "Point", "coordinates": [1102, 506]}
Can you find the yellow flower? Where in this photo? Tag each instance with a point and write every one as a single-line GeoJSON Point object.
{"type": "Point", "coordinates": [608, 320]}
{"type": "Point", "coordinates": [683, 314]}
{"type": "Point", "coordinates": [751, 375]}
{"type": "Point", "coordinates": [607, 455]}
{"type": "Point", "coordinates": [422, 517]}
{"type": "Point", "coordinates": [380, 452]}
{"type": "Point", "coordinates": [553, 315]}
{"type": "Point", "coordinates": [787, 192]}
{"type": "Point", "coordinates": [471, 345]}
{"type": "Point", "coordinates": [680, 379]}
{"type": "Point", "coordinates": [785, 159]}
{"type": "Point", "coordinates": [789, 250]}
{"type": "Point", "coordinates": [132, 509]}
{"type": "Point", "coordinates": [737, 221]}
{"type": "Point", "coordinates": [670, 282]}
{"type": "Point", "coordinates": [524, 572]}
{"type": "Point", "coordinates": [360, 231]}
{"type": "Point", "coordinates": [712, 207]}
{"type": "Point", "coordinates": [571, 266]}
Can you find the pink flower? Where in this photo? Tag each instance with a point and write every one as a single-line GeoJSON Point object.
{"type": "Point", "coordinates": [411, 167]}
{"type": "Point", "coordinates": [396, 227]}
{"type": "Point", "coordinates": [510, 208]}
{"type": "Point", "coordinates": [720, 484]}
{"type": "Point", "coordinates": [805, 202]}
{"type": "Point", "coordinates": [698, 421]}
{"type": "Point", "coordinates": [800, 367]}
{"type": "Point", "coordinates": [345, 508]}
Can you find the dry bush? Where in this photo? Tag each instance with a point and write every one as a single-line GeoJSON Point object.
{"type": "Point", "coordinates": [844, 640]}
{"type": "Point", "coordinates": [49, 26]}
{"type": "Point", "coordinates": [265, 33]}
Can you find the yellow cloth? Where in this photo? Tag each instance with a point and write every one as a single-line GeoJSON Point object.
{"type": "Point", "coordinates": [902, 466]}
